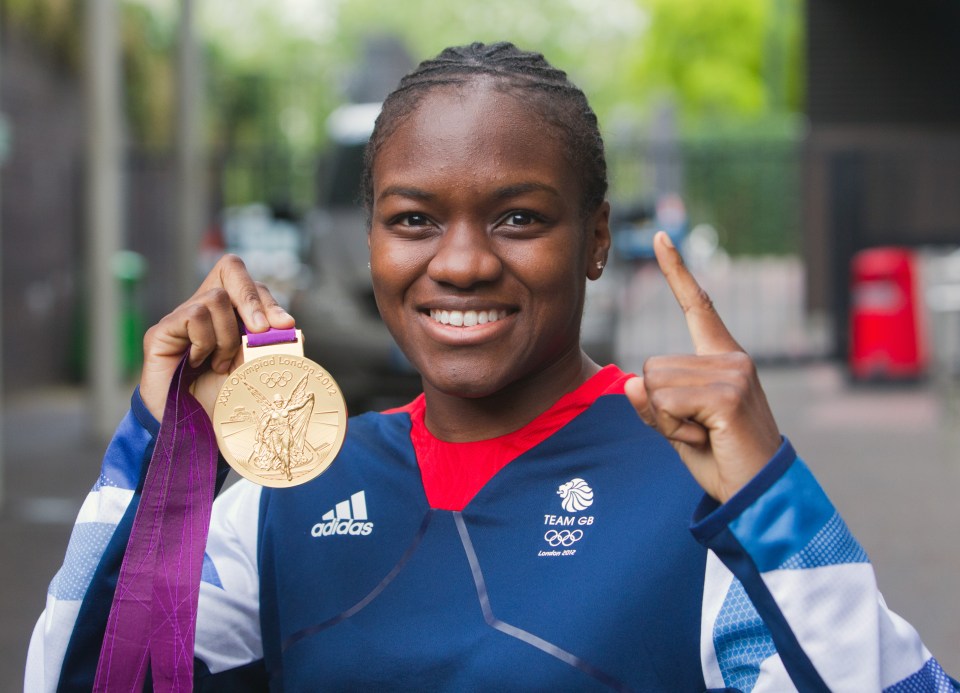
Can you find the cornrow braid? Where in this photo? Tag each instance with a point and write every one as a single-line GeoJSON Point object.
{"type": "Point", "coordinates": [546, 88]}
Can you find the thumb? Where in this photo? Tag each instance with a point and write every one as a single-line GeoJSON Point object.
{"type": "Point", "coordinates": [636, 392]}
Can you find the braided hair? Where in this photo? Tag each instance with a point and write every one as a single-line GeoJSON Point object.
{"type": "Point", "coordinates": [561, 103]}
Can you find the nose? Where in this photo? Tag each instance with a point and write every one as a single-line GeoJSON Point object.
{"type": "Point", "coordinates": [465, 256]}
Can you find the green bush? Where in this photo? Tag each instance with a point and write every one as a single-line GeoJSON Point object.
{"type": "Point", "coordinates": [749, 192]}
{"type": "Point", "coordinates": [747, 187]}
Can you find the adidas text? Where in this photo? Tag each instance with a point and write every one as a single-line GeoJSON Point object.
{"type": "Point", "coordinates": [342, 527]}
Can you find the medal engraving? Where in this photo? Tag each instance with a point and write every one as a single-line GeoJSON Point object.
{"type": "Point", "coordinates": [280, 419]}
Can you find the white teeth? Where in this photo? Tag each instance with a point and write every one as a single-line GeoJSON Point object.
{"type": "Point", "coordinates": [468, 318]}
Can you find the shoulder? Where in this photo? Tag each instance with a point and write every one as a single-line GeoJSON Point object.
{"type": "Point", "coordinates": [378, 434]}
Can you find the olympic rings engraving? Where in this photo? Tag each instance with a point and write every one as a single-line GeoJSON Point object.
{"type": "Point", "coordinates": [564, 537]}
{"type": "Point", "coordinates": [276, 379]}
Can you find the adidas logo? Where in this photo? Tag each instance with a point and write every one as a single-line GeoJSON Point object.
{"type": "Point", "coordinates": [347, 517]}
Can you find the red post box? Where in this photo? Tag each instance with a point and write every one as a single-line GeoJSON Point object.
{"type": "Point", "coordinates": [887, 339]}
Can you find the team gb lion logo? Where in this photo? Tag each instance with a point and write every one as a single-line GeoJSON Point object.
{"type": "Point", "coordinates": [576, 495]}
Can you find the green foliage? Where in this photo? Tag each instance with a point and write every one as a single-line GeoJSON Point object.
{"type": "Point", "coordinates": [736, 59]}
{"type": "Point", "coordinates": [717, 60]}
{"type": "Point", "coordinates": [594, 42]}
{"type": "Point", "coordinates": [741, 178]}
{"type": "Point", "coordinates": [56, 27]}
{"type": "Point", "coordinates": [708, 53]}
{"type": "Point", "coordinates": [148, 71]}
{"type": "Point", "coordinates": [51, 24]}
{"type": "Point", "coordinates": [307, 51]}
{"type": "Point", "coordinates": [274, 69]}
{"type": "Point", "coordinates": [749, 190]}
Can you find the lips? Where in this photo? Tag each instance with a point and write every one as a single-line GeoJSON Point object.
{"type": "Point", "coordinates": [467, 318]}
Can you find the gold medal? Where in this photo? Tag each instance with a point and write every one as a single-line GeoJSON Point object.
{"type": "Point", "coordinates": [280, 418]}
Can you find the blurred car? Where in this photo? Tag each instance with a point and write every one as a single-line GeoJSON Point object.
{"type": "Point", "coordinates": [267, 237]}
{"type": "Point", "coordinates": [634, 228]}
{"type": "Point", "coordinates": [342, 327]}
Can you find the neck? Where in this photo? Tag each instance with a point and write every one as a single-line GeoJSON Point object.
{"type": "Point", "coordinates": [462, 419]}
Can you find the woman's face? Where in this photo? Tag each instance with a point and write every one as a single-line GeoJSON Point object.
{"type": "Point", "coordinates": [479, 248]}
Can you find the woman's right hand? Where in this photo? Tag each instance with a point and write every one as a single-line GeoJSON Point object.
{"type": "Point", "coordinates": [207, 324]}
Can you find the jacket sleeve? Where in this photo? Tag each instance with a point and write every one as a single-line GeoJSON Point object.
{"type": "Point", "coordinates": [65, 644]}
{"type": "Point", "coordinates": [791, 599]}
{"type": "Point", "coordinates": [94, 554]}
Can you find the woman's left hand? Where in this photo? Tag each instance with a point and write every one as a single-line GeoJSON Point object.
{"type": "Point", "coordinates": [710, 405]}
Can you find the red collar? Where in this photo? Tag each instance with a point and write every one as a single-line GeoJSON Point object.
{"type": "Point", "coordinates": [453, 473]}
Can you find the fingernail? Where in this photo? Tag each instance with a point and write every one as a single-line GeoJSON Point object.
{"type": "Point", "coordinates": [666, 239]}
{"type": "Point", "coordinates": [260, 321]}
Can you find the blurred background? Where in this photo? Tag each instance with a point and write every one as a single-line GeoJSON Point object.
{"type": "Point", "coordinates": [804, 154]}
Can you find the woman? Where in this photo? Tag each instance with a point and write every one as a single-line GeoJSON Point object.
{"type": "Point", "coordinates": [524, 525]}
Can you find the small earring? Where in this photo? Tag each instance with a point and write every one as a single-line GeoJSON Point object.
{"type": "Point", "coordinates": [599, 264]}
{"type": "Point", "coordinates": [368, 266]}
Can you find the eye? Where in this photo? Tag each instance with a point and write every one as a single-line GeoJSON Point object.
{"type": "Point", "coordinates": [411, 219]}
{"type": "Point", "coordinates": [520, 218]}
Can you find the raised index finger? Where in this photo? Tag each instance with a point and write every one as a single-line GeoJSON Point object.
{"type": "Point", "coordinates": [709, 334]}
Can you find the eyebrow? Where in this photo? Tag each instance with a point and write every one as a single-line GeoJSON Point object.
{"type": "Point", "coordinates": [504, 193]}
{"type": "Point", "coordinates": [509, 191]}
{"type": "Point", "coordinates": [402, 191]}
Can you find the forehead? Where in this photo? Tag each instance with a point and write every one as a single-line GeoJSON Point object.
{"type": "Point", "coordinates": [472, 133]}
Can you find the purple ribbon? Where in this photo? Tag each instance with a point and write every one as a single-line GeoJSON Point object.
{"type": "Point", "coordinates": [272, 336]}
{"type": "Point", "coordinates": [153, 616]}
{"type": "Point", "coordinates": [154, 612]}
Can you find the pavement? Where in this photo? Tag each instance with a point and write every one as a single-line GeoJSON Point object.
{"type": "Point", "coordinates": [887, 456]}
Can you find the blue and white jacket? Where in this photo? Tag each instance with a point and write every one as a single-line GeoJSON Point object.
{"type": "Point", "coordinates": [353, 582]}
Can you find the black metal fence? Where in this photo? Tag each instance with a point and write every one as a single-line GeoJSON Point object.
{"type": "Point", "coordinates": [748, 190]}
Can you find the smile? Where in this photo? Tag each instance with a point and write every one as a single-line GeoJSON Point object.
{"type": "Point", "coordinates": [467, 318]}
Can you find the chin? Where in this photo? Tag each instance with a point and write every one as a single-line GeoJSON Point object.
{"type": "Point", "coordinates": [464, 390]}
{"type": "Point", "coordinates": [465, 382]}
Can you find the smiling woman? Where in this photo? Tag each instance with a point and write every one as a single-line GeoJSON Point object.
{"type": "Point", "coordinates": [489, 221]}
{"type": "Point", "coordinates": [524, 524]}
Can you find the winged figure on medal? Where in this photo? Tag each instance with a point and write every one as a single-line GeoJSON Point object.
{"type": "Point", "coordinates": [280, 442]}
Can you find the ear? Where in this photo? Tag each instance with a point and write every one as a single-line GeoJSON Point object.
{"type": "Point", "coordinates": [598, 240]}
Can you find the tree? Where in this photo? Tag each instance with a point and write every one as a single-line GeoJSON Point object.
{"type": "Point", "coordinates": [730, 60]}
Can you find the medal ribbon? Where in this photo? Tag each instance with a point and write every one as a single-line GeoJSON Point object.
{"type": "Point", "coordinates": [152, 621]}
{"type": "Point", "coordinates": [154, 612]}
{"type": "Point", "coordinates": [271, 336]}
